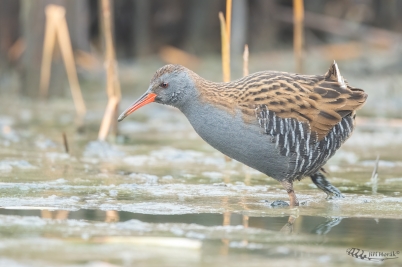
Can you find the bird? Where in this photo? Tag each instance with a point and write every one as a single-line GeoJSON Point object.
{"type": "Point", "coordinates": [284, 125]}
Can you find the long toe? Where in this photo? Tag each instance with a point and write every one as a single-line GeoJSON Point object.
{"type": "Point", "coordinates": [334, 194]}
{"type": "Point", "coordinates": [322, 183]}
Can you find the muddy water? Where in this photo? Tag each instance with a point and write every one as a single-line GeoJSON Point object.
{"type": "Point", "coordinates": [158, 195]}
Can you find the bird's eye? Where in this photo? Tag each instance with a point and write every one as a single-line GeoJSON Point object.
{"type": "Point", "coordinates": [164, 85]}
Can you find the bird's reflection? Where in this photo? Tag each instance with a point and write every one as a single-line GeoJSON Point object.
{"type": "Point", "coordinates": [293, 225]}
{"type": "Point", "coordinates": [325, 227]}
{"type": "Point", "coordinates": [112, 216]}
{"type": "Point", "coordinates": [288, 227]}
{"type": "Point", "coordinates": [321, 229]}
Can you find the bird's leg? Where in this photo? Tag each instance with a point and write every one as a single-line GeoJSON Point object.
{"type": "Point", "coordinates": [319, 180]}
{"type": "Point", "coordinates": [292, 196]}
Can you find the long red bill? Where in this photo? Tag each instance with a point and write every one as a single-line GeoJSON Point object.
{"type": "Point", "coordinates": [145, 99]}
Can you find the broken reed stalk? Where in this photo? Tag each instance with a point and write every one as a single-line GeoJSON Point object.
{"type": "Point", "coordinates": [113, 84]}
{"type": "Point", "coordinates": [225, 49]}
{"type": "Point", "coordinates": [67, 53]}
{"type": "Point", "coordinates": [107, 118]}
{"type": "Point", "coordinates": [298, 19]}
{"type": "Point", "coordinates": [245, 61]}
{"type": "Point", "coordinates": [112, 79]}
{"type": "Point", "coordinates": [374, 176]}
{"type": "Point", "coordinates": [65, 142]}
{"type": "Point", "coordinates": [48, 47]}
{"type": "Point", "coordinates": [56, 28]}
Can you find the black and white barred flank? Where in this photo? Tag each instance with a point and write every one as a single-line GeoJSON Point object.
{"type": "Point", "coordinates": [295, 139]}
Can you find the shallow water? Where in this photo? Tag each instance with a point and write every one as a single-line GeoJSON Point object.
{"type": "Point", "coordinates": [102, 238]}
{"type": "Point", "coordinates": [159, 195]}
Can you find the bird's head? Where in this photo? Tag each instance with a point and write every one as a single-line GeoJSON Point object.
{"type": "Point", "coordinates": [171, 85]}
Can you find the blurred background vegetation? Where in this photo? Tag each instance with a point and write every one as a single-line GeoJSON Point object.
{"type": "Point", "coordinates": [149, 33]}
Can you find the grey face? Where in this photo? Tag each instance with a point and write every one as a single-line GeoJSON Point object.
{"type": "Point", "coordinates": [169, 87]}
{"type": "Point", "coordinates": [173, 88]}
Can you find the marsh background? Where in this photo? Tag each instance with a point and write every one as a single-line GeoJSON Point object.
{"type": "Point", "coordinates": [155, 193]}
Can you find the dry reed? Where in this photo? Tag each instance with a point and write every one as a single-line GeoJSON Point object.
{"type": "Point", "coordinates": [228, 20]}
{"type": "Point", "coordinates": [112, 78]}
{"type": "Point", "coordinates": [56, 29]}
{"type": "Point", "coordinates": [225, 37]}
{"type": "Point", "coordinates": [298, 18]}
{"type": "Point", "coordinates": [225, 49]}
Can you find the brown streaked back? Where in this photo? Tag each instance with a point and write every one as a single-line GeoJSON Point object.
{"type": "Point", "coordinates": [319, 100]}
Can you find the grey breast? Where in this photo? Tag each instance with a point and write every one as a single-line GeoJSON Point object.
{"type": "Point", "coordinates": [246, 143]}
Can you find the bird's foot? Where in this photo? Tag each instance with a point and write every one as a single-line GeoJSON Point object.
{"type": "Point", "coordinates": [322, 183]}
{"type": "Point", "coordinates": [334, 195]}
{"type": "Point", "coordinates": [332, 192]}
{"type": "Point", "coordinates": [279, 204]}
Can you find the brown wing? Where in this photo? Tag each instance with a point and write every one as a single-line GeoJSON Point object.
{"type": "Point", "coordinates": [322, 100]}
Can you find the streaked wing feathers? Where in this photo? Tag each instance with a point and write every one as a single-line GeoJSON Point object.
{"type": "Point", "coordinates": [321, 100]}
